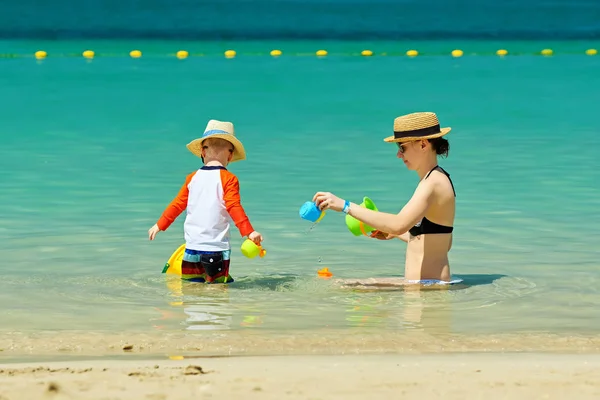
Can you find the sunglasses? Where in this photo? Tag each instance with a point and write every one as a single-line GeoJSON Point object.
{"type": "Point", "coordinates": [401, 146]}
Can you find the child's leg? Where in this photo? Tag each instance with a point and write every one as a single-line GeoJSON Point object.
{"type": "Point", "coordinates": [216, 265]}
{"type": "Point", "coordinates": [191, 267]}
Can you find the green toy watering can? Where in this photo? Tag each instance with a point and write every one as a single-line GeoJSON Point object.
{"type": "Point", "coordinates": [355, 226]}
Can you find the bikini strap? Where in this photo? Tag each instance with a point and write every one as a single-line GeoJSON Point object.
{"type": "Point", "coordinates": [452, 184]}
{"type": "Point", "coordinates": [432, 169]}
{"type": "Point", "coordinates": [445, 173]}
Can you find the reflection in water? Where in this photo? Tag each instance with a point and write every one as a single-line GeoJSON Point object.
{"type": "Point", "coordinates": [427, 311]}
{"type": "Point", "coordinates": [365, 312]}
{"type": "Point", "coordinates": [201, 306]}
{"type": "Point", "coordinates": [408, 308]}
{"type": "Point", "coordinates": [297, 303]}
{"type": "Point", "coordinates": [432, 309]}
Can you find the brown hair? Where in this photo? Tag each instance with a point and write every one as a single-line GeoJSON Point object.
{"type": "Point", "coordinates": [441, 146]}
{"type": "Point", "coordinates": [218, 143]}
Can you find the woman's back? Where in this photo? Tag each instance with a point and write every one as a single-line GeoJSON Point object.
{"type": "Point", "coordinates": [431, 238]}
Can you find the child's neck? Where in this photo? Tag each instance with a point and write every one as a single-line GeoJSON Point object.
{"type": "Point", "coordinates": [215, 162]}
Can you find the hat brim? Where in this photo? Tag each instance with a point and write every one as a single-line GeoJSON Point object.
{"type": "Point", "coordinates": [392, 139]}
{"type": "Point", "coordinates": [239, 153]}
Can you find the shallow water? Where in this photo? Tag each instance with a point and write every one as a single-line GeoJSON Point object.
{"type": "Point", "coordinates": [93, 151]}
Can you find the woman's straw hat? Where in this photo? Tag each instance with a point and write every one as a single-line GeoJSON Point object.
{"type": "Point", "coordinates": [416, 126]}
{"type": "Point", "coordinates": [221, 130]}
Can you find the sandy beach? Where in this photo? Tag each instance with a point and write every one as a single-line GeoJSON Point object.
{"type": "Point", "coordinates": [450, 376]}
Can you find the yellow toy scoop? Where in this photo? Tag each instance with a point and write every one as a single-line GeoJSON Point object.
{"type": "Point", "coordinates": [173, 266]}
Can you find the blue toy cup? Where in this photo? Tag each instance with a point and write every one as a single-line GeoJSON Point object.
{"type": "Point", "coordinates": [310, 212]}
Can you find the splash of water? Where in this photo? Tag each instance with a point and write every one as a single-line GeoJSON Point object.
{"type": "Point", "coordinates": [311, 227]}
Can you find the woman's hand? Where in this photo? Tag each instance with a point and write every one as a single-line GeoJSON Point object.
{"type": "Point", "coordinates": [326, 200]}
{"type": "Point", "coordinates": [382, 235]}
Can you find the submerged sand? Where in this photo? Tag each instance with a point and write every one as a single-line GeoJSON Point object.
{"type": "Point", "coordinates": [50, 345]}
{"type": "Point", "coordinates": [450, 376]}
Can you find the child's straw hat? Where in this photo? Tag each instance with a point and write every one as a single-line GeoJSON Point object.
{"type": "Point", "coordinates": [221, 130]}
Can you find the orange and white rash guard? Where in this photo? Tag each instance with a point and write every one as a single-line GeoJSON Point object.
{"type": "Point", "coordinates": [210, 196]}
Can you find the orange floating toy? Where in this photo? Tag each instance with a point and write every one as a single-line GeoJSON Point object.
{"type": "Point", "coordinates": [324, 273]}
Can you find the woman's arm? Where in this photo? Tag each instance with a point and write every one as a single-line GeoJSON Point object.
{"type": "Point", "coordinates": [396, 224]}
{"type": "Point", "coordinates": [404, 237]}
{"type": "Point", "coordinates": [388, 236]}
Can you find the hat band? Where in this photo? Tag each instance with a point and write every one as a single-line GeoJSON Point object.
{"type": "Point", "coordinates": [213, 132]}
{"type": "Point", "coordinates": [430, 130]}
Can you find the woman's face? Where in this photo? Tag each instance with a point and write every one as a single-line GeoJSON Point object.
{"type": "Point", "coordinates": [409, 153]}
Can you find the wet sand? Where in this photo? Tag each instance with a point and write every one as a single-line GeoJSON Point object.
{"type": "Point", "coordinates": [449, 376]}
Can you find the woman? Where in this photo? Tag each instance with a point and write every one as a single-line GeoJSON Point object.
{"type": "Point", "coordinates": [426, 221]}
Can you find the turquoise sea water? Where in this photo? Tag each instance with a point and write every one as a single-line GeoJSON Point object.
{"type": "Point", "coordinates": [266, 19]}
{"type": "Point", "coordinates": [93, 150]}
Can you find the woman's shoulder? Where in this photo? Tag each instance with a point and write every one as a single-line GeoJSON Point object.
{"type": "Point", "coordinates": [440, 180]}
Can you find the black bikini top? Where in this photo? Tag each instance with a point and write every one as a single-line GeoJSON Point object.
{"type": "Point", "coordinates": [425, 226]}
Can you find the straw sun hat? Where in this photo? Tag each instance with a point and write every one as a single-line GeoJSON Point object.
{"type": "Point", "coordinates": [219, 130]}
{"type": "Point", "coordinates": [416, 126]}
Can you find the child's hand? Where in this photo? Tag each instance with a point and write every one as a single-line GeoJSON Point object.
{"type": "Point", "coordinates": [153, 231]}
{"type": "Point", "coordinates": [255, 237]}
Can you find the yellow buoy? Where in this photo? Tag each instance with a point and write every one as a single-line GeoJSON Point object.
{"type": "Point", "coordinates": [275, 53]}
{"type": "Point", "coordinates": [591, 52]}
{"type": "Point", "coordinates": [366, 53]}
{"type": "Point", "coordinates": [457, 53]}
{"type": "Point", "coordinates": [88, 54]}
{"type": "Point", "coordinates": [181, 54]}
{"type": "Point", "coordinates": [321, 53]}
{"type": "Point", "coordinates": [547, 52]}
{"type": "Point", "coordinates": [412, 53]}
{"type": "Point", "coordinates": [135, 53]}
{"type": "Point", "coordinates": [40, 54]}
{"type": "Point", "coordinates": [502, 52]}
{"type": "Point", "coordinates": [230, 53]}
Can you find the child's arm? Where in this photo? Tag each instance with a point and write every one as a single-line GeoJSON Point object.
{"type": "Point", "coordinates": [173, 210]}
{"type": "Point", "coordinates": [231, 195]}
